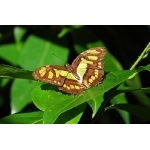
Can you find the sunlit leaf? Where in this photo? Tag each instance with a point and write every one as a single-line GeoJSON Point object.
{"type": "Point", "coordinates": [45, 98]}
{"type": "Point", "coordinates": [38, 52]}
{"type": "Point", "coordinates": [9, 53]}
{"type": "Point", "coordinates": [23, 118]}
{"type": "Point", "coordinates": [21, 94]}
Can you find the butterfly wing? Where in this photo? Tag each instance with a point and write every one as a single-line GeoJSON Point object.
{"type": "Point", "coordinates": [85, 71]}
{"type": "Point", "coordinates": [89, 66]}
{"type": "Point", "coordinates": [51, 74]}
{"type": "Point", "coordinates": [71, 85]}
{"type": "Point", "coordinates": [59, 76]}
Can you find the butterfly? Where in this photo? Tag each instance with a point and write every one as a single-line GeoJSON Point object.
{"type": "Point", "coordinates": [85, 71]}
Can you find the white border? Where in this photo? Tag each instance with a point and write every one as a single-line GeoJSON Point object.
{"type": "Point", "coordinates": [58, 12]}
{"type": "Point", "coordinates": [74, 137]}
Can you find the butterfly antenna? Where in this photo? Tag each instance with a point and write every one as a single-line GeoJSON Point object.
{"type": "Point", "coordinates": [58, 57]}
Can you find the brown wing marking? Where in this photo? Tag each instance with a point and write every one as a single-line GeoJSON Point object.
{"type": "Point", "coordinates": [89, 65]}
{"type": "Point", "coordinates": [94, 55]}
{"type": "Point", "coordinates": [72, 87]}
{"type": "Point", "coordinates": [85, 71]}
{"type": "Point", "coordinates": [93, 77]}
{"type": "Point", "coordinates": [51, 74]}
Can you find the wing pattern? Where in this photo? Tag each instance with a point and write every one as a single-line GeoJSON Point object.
{"type": "Point", "coordinates": [85, 71]}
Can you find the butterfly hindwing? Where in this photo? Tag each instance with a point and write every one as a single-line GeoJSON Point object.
{"type": "Point", "coordinates": [72, 87]}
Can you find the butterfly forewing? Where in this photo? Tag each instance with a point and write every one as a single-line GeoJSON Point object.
{"type": "Point", "coordinates": [51, 74]}
{"type": "Point", "coordinates": [89, 66]}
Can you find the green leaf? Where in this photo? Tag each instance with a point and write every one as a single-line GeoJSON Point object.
{"type": "Point", "coordinates": [67, 29]}
{"type": "Point", "coordinates": [21, 89]}
{"type": "Point", "coordinates": [111, 80]}
{"type": "Point", "coordinates": [109, 66]}
{"type": "Point", "coordinates": [136, 84]}
{"type": "Point", "coordinates": [111, 63]}
{"type": "Point", "coordinates": [10, 53]}
{"type": "Point", "coordinates": [139, 111]}
{"type": "Point", "coordinates": [21, 94]}
{"type": "Point", "coordinates": [23, 118]}
{"type": "Point", "coordinates": [45, 98]}
{"type": "Point", "coordinates": [138, 92]}
{"type": "Point", "coordinates": [3, 82]}
{"type": "Point", "coordinates": [71, 116]}
{"type": "Point", "coordinates": [13, 72]}
{"type": "Point", "coordinates": [38, 52]}
{"type": "Point", "coordinates": [121, 99]}
{"type": "Point", "coordinates": [144, 68]}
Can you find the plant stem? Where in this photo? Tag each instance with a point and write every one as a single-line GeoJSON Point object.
{"type": "Point", "coordinates": [144, 54]}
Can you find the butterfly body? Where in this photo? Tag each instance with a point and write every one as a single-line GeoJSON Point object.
{"type": "Point", "coordinates": [85, 71]}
